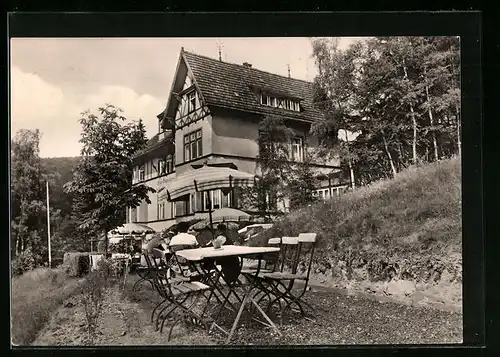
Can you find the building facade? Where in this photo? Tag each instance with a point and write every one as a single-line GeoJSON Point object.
{"type": "Point", "coordinates": [212, 115]}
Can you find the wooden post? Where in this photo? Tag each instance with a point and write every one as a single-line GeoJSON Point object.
{"type": "Point", "coordinates": [230, 196]}
{"type": "Point", "coordinates": [48, 225]}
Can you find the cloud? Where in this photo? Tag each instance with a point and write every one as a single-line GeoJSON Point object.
{"type": "Point", "coordinates": [37, 104]}
{"type": "Point", "coordinates": [134, 106]}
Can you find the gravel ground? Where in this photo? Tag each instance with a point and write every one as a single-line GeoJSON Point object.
{"type": "Point", "coordinates": [334, 318]}
{"type": "Point", "coordinates": [339, 318]}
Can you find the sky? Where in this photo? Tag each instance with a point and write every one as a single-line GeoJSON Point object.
{"type": "Point", "coordinates": [54, 80]}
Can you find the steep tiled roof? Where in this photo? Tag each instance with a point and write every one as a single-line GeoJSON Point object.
{"type": "Point", "coordinates": [235, 86]}
{"type": "Point", "coordinates": [153, 144]}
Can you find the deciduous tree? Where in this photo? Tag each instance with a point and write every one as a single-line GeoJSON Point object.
{"type": "Point", "coordinates": [102, 186]}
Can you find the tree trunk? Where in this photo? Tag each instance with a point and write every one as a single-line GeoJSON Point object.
{"type": "Point", "coordinates": [402, 153]}
{"type": "Point", "coordinates": [431, 118]}
{"type": "Point", "coordinates": [106, 241]}
{"type": "Point", "coordinates": [401, 156]}
{"type": "Point", "coordinates": [459, 139]}
{"type": "Point", "coordinates": [413, 121]}
{"type": "Point", "coordinates": [414, 144]}
{"type": "Point", "coordinates": [18, 243]}
{"type": "Point", "coordinates": [393, 168]}
{"type": "Point", "coordinates": [351, 171]}
{"type": "Point", "coordinates": [457, 109]}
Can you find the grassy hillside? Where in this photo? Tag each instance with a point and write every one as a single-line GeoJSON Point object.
{"type": "Point", "coordinates": [35, 296]}
{"type": "Point", "coordinates": [406, 228]}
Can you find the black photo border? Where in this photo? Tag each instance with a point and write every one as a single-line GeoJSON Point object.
{"type": "Point", "coordinates": [467, 25]}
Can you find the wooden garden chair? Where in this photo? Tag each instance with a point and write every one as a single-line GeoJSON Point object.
{"type": "Point", "coordinates": [281, 282]}
{"type": "Point", "coordinates": [271, 263]}
{"type": "Point", "coordinates": [175, 293]}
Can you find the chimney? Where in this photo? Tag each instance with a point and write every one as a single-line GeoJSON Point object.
{"type": "Point", "coordinates": [246, 64]}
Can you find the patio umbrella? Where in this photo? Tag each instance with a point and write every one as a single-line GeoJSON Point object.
{"type": "Point", "coordinates": [206, 178]}
{"type": "Point", "coordinates": [229, 215]}
{"type": "Point", "coordinates": [131, 228]}
{"type": "Point", "coordinates": [203, 224]}
{"type": "Point", "coordinates": [263, 225]}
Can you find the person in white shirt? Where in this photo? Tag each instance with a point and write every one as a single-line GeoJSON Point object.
{"type": "Point", "coordinates": [182, 238]}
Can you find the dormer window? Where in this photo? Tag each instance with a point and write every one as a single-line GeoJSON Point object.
{"type": "Point", "coordinates": [282, 103]}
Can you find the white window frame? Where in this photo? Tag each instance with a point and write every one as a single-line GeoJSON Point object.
{"type": "Point", "coordinates": [194, 138]}
{"type": "Point", "coordinates": [262, 96]}
{"type": "Point", "coordinates": [228, 199]}
{"type": "Point", "coordinates": [169, 164]}
{"type": "Point", "coordinates": [161, 167]}
{"type": "Point", "coordinates": [141, 173]}
{"type": "Point", "coordinates": [299, 146]}
{"type": "Point", "coordinates": [192, 101]}
{"type": "Point", "coordinates": [172, 210]}
{"type": "Point", "coordinates": [161, 211]}
{"type": "Point", "coordinates": [282, 103]}
{"type": "Point", "coordinates": [215, 198]}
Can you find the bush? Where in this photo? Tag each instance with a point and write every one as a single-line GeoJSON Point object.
{"type": "Point", "coordinates": [23, 262]}
{"type": "Point", "coordinates": [35, 295]}
{"type": "Point", "coordinates": [92, 296]}
{"type": "Point", "coordinates": [76, 263]}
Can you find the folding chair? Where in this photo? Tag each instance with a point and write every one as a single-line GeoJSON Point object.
{"type": "Point", "coordinates": [182, 266]}
{"type": "Point", "coordinates": [271, 262]}
{"type": "Point", "coordinates": [281, 282]}
{"type": "Point", "coordinates": [146, 272]}
{"type": "Point", "coordinates": [175, 291]}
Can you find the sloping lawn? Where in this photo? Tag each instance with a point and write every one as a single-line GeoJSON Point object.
{"type": "Point", "coordinates": [35, 295]}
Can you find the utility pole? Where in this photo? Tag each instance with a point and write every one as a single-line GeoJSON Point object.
{"type": "Point", "coordinates": [48, 225]}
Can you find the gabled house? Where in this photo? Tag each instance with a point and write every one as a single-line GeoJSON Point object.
{"type": "Point", "coordinates": [212, 115]}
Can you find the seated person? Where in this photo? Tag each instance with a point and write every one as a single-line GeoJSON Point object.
{"type": "Point", "coordinates": [183, 239]}
{"type": "Point", "coordinates": [230, 265]}
{"type": "Point", "coordinates": [204, 236]}
{"type": "Point", "coordinates": [222, 231]}
{"type": "Point", "coordinates": [157, 242]}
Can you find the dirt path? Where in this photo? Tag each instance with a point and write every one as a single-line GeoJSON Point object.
{"type": "Point", "coordinates": [123, 322]}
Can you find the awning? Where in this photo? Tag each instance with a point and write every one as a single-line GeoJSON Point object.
{"type": "Point", "coordinates": [204, 179]}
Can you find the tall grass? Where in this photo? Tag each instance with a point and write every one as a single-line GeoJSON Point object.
{"type": "Point", "coordinates": [35, 295]}
{"type": "Point", "coordinates": [419, 209]}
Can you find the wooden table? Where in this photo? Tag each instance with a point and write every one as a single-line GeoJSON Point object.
{"type": "Point", "coordinates": [200, 254]}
